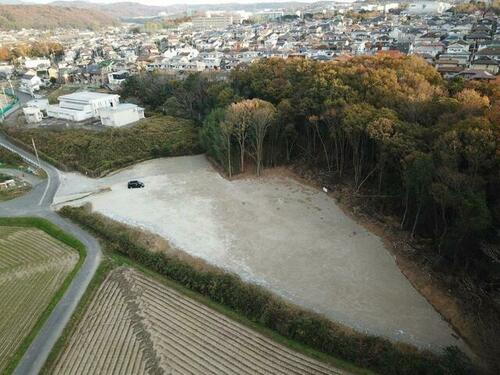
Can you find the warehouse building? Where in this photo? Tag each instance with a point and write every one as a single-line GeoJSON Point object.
{"type": "Point", "coordinates": [86, 105]}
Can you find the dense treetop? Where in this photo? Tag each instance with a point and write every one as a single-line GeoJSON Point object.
{"type": "Point", "coordinates": [429, 148]}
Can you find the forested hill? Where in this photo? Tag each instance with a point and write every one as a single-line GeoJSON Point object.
{"type": "Point", "coordinates": [50, 17]}
{"type": "Point", "coordinates": [128, 9]}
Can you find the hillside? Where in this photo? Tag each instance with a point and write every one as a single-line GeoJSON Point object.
{"type": "Point", "coordinates": [131, 9]}
{"type": "Point", "coordinates": [51, 17]}
{"type": "Point", "coordinates": [116, 10]}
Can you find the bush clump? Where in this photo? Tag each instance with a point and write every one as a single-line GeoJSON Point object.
{"type": "Point", "coordinates": [260, 305]}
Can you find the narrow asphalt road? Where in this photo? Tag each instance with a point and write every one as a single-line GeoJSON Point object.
{"type": "Point", "coordinates": [37, 203]}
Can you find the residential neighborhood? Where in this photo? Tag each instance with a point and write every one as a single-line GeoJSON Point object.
{"type": "Point", "coordinates": [458, 44]}
{"type": "Point", "coordinates": [250, 187]}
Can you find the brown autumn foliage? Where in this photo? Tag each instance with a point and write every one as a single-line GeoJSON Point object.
{"type": "Point", "coordinates": [15, 17]}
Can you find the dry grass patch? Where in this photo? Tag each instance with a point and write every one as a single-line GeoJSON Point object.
{"type": "Point", "coordinates": [33, 267]}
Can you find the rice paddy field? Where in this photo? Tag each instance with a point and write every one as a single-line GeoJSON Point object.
{"type": "Point", "coordinates": [137, 325]}
{"type": "Point", "coordinates": [33, 266]}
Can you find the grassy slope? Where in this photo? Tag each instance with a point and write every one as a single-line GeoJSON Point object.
{"type": "Point", "coordinates": [65, 238]}
{"type": "Point", "coordinates": [97, 152]}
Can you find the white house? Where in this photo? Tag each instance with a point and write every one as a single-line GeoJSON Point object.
{"type": "Point", "coordinates": [458, 47]}
{"type": "Point", "coordinates": [32, 115]}
{"type": "Point", "coordinates": [6, 70]}
{"type": "Point", "coordinates": [30, 83]}
{"type": "Point", "coordinates": [81, 106]}
{"type": "Point", "coordinates": [431, 49]}
{"type": "Point", "coordinates": [117, 78]}
{"type": "Point", "coordinates": [7, 184]}
{"type": "Point", "coordinates": [121, 115]}
{"type": "Point", "coordinates": [36, 63]}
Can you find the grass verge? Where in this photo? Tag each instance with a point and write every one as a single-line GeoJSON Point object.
{"type": "Point", "coordinates": [59, 234]}
{"type": "Point", "coordinates": [9, 194]}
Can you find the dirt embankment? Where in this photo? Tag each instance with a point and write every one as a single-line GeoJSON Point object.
{"type": "Point", "coordinates": [478, 328]}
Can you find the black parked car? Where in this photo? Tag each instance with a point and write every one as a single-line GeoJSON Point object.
{"type": "Point", "coordinates": [134, 184]}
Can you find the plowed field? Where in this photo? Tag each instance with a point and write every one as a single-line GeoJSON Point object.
{"type": "Point", "coordinates": [33, 266]}
{"type": "Point", "coordinates": [136, 325]}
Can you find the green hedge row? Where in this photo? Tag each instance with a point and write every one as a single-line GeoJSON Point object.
{"type": "Point", "coordinates": [259, 305]}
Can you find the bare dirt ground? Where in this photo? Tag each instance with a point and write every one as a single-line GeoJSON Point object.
{"type": "Point", "coordinates": [277, 232]}
{"type": "Point", "coordinates": [136, 325]}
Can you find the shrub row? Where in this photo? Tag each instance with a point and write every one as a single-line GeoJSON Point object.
{"type": "Point", "coordinates": [259, 305]}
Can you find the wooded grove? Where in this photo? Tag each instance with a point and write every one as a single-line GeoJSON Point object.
{"type": "Point", "coordinates": [427, 149]}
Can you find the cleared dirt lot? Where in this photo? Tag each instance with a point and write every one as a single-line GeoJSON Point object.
{"type": "Point", "coordinates": [33, 266]}
{"type": "Point", "coordinates": [289, 237]}
{"type": "Point", "coordinates": [136, 325]}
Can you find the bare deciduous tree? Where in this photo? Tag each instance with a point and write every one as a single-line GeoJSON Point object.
{"type": "Point", "coordinates": [262, 115]}
{"type": "Point", "coordinates": [238, 117]}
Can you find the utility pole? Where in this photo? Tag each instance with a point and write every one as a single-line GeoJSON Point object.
{"type": "Point", "coordinates": [11, 88]}
{"type": "Point", "coordinates": [36, 153]}
{"type": "Point", "coordinates": [2, 109]}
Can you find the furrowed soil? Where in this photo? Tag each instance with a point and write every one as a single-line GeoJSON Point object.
{"type": "Point", "coordinates": [33, 266]}
{"type": "Point", "coordinates": [136, 325]}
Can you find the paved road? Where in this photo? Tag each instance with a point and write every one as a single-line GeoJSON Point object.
{"type": "Point", "coordinates": [37, 203]}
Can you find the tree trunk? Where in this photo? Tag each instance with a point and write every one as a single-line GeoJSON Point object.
{"type": "Point", "coordinates": [406, 210]}
{"type": "Point", "coordinates": [229, 155]}
{"type": "Point", "coordinates": [416, 220]}
{"type": "Point", "coordinates": [324, 148]}
{"type": "Point", "coordinates": [242, 155]}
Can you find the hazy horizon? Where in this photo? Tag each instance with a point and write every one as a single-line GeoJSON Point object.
{"type": "Point", "coordinates": [180, 2]}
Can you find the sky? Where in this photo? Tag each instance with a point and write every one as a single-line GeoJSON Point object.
{"type": "Point", "coordinates": [171, 2]}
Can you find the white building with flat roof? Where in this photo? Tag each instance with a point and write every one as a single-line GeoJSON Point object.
{"type": "Point", "coordinates": [121, 115]}
{"type": "Point", "coordinates": [212, 22]}
{"type": "Point", "coordinates": [427, 7]}
{"type": "Point", "coordinates": [32, 115]}
{"type": "Point", "coordinates": [36, 63]}
{"type": "Point", "coordinates": [86, 105]}
{"type": "Point", "coordinates": [83, 105]}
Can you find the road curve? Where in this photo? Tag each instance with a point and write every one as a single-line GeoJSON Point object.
{"type": "Point", "coordinates": [37, 203]}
